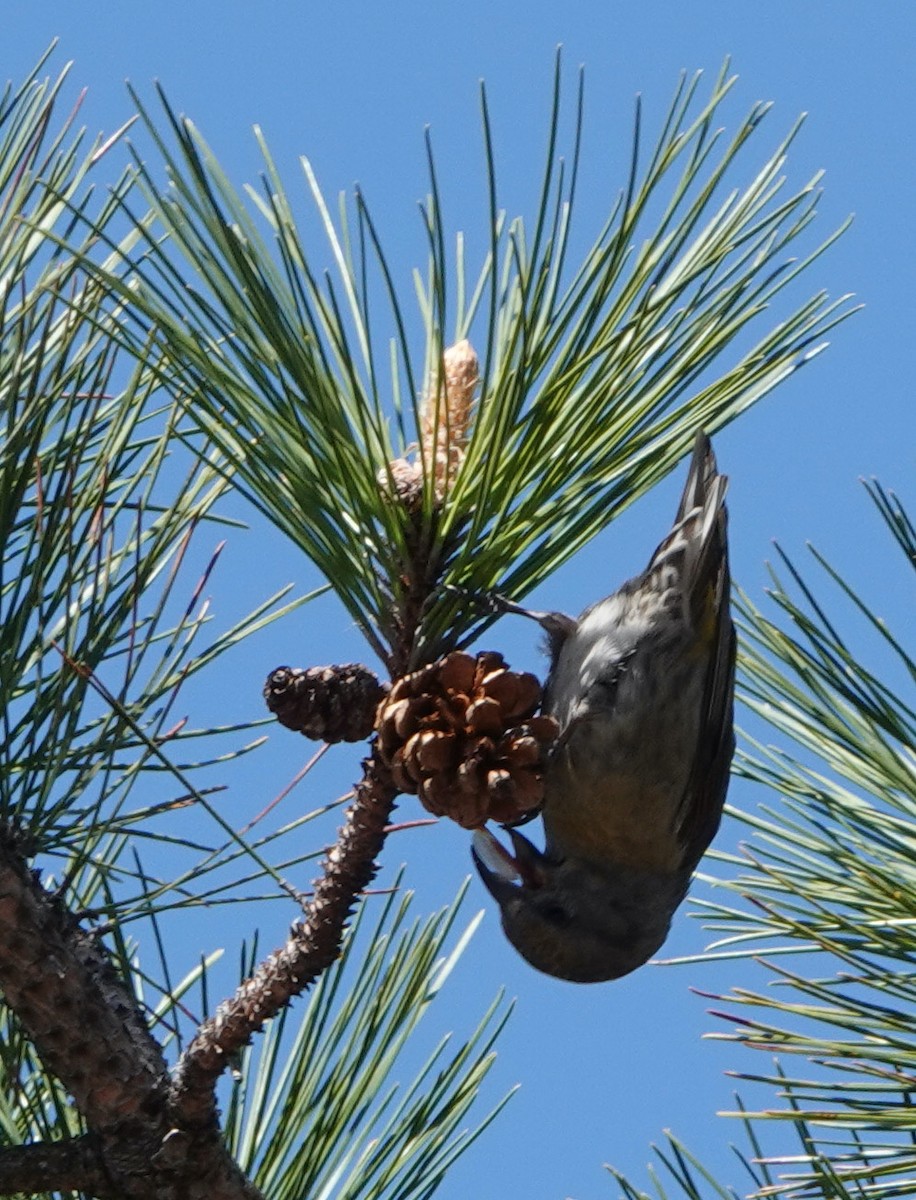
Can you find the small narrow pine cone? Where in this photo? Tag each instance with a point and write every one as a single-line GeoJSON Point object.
{"type": "Point", "coordinates": [462, 735]}
{"type": "Point", "coordinates": [329, 704]}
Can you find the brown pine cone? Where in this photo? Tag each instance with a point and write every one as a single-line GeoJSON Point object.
{"type": "Point", "coordinates": [463, 736]}
{"type": "Point", "coordinates": [329, 704]}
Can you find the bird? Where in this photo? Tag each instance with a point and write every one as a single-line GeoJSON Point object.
{"type": "Point", "coordinates": [642, 687]}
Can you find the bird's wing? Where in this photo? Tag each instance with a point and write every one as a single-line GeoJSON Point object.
{"type": "Point", "coordinates": [707, 588]}
{"type": "Point", "coordinates": [701, 807]}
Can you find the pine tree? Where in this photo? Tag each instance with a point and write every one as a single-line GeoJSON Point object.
{"type": "Point", "coordinates": [187, 325]}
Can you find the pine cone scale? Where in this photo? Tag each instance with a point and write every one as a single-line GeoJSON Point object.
{"type": "Point", "coordinates": [462, 734]}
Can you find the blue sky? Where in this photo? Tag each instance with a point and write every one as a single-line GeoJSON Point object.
{"type": "Point", "coordinates": [603, 1069]}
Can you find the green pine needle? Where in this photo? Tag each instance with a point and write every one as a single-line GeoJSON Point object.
{"type": "Point", "coordinates": [594, 374]}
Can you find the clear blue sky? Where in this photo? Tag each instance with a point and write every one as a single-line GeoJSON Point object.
{"type": "Point", "coordinates": [603, 1069]}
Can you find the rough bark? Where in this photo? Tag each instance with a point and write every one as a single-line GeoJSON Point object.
{"type": "Point", "coordinates": [55, 1167]}
{"type": "Point", "coordinates": [89, 1032]}
{"type": "Point", "coordinates": [83, 1020]}
{"type": "Point", "coordinates": [149, 1136]}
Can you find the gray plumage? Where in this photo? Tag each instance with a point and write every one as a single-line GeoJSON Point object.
{"type": "Point", "coordinates": [642, 687]}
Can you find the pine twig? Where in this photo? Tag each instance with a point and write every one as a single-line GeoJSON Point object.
{"type": "Point", "coordinates": [313, 945]}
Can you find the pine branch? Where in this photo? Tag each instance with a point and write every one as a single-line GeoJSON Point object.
{"type": "Point", "coordinates": [55, 1166]}
{"type": "Point", "coordinates": [312, 946]}
{"type": "Point", "coordinates": [83, 1020]}
{"type": "Point", "coordinates": [89, 1030]}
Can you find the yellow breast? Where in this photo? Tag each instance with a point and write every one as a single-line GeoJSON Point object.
{"type": "Point", "coordinates": [614, 819]}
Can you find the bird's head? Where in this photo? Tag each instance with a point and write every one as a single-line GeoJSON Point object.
{"type": "Point", "coordinates": [566, 917]}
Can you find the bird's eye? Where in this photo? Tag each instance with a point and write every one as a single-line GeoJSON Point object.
{"type": "Point", "coordinates": [556, 914]}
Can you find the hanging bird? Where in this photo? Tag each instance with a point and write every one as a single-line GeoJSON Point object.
{"type": "Point", "coordinates": [642, 686]}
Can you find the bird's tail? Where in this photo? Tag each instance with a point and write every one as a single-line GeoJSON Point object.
{"type": "Point", "coordinates": [697, 546]}
{"type": "Point", "coordinates": [702, 477]}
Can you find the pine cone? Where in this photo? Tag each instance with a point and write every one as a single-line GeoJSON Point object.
{"type": "Point", "coordinates": [462, 735]}
{"type": "Point", "coordinates": [330, 704]}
